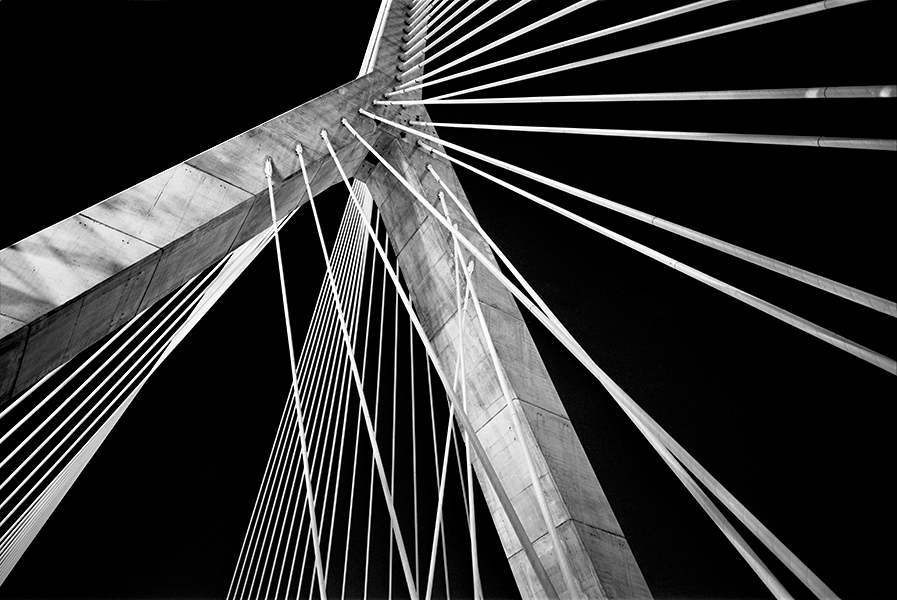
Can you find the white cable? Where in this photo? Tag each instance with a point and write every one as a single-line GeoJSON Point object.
{"type": "Point", "coordinates": [286, 315]}
{"type": "Point", "coordinates": [364, 365]}
{"type": "Point", "coordinates": [513, 35]}
{"type": "Point", "coordinates": [408, 87]}
{"type": "Point", "coordinates": [492, 477]}
{"type": "Point", "coordinates": [367, 554]}
{"type": "Point", "coordinates": [356, 376]}
{"type": "Point", "coordinates": [392, 451]}
{"type": "Point", "coordinates": [707, 33]}
{"type": "Point", "coordinates": [805, 325]}
{"type": "Point", "coordinates": [341, 265]}
{"type": "Point", "coordinates": [326, 396]}
{"type": "Point", "coordinates": [871, 356]}
{"type": "Point", "coordinates": [831, 92]}
{"type": "Point", "coordinates": [439, 523]}
{"type": "Point", "coordinates": [445, 35]}
{"type": "Point", "coordinates": [469, 34]}
{"type": "Point", "coordinates": [310, 347]}
{"type": "Point", "coordinates": [556, 328]}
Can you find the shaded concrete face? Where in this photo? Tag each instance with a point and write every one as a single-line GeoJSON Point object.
{"type": "Point", "coordinates": [78, 281]}
{"type": "Point", "coordinates": [600, 557]}
{"type": "Point", "coordinates": [74, 283]}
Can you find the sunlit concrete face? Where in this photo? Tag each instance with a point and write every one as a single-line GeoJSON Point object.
{"type": "Point", "coordinates": [70, 285]}
{"type": "Point", "coordinates": [76, 282]}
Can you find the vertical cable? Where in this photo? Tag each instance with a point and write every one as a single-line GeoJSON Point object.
{"type": "Point", "coordinates": [286, 315]}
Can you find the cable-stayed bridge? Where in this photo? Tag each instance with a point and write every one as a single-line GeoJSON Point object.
{"type": "Point", "coordinates": [288, 181]}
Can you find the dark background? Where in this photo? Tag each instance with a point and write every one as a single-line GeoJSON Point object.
{"type": "Point", "coordinates": [99, 97]}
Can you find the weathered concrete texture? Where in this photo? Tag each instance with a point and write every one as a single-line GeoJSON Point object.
{"type": "Point", "coordinates": [72, 284]}
{"type": "Point", "coordinates": [13, 335]}
{"type": "Point", "coordinates": [600, 556]}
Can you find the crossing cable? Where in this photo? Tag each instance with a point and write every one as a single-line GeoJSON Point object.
{"type": "Point", "coordinates": [300, 576]}
{"type": "Point", "coordinates": [367, 553]}
{"type": "Point", "coordinates": [414, 451]}
{"type": "Point", "coordinates": [283, 469]}
{"type": "Point", "coordinates": [513, 35]}
{"type": "Point", "coordinates": [742, 138]}
{"type": "Point", "coordinates": [769, 308]}
{"type": "Point", "coordinates": [438, 527]}
{"type": "Point", "coordinates": [564, 337]}
{"type": "Point", "coordinates": [415, 84]}
{"type": "Point", "coordinates": [442, 474]}
{"type": "Point", "coordinates": [392, 451]}
{"type": "Point", "coordinates": [461, 368]}
{"type": "Point", "coordinates": [311, 347]}
{"type": "Point", "coordinates": [418, 37]}
{"type": "Point", "coordinates": [700, 35]}
{"type": "Point", "coordinates": [802, 324]}
{"type": "Point", "coordinates": [439, 524]}
{"type": "Point", "coordinates": [355, 374]}
{"type": "Point", "coordinates": [847, 292]}
{"type": "Point", "coordinates": [331, 394]}
{"type": "Point", "coordinates": [364, 365]}
{"type": "Point", "coordinates": [567, 571]}
{"type": "Point", "coordinates": [353, 297]}
{"type": "Point", "coordinates": [348, 390]}
{"type": "Point", "coordinates": [333, 348]}
{"type": "Point", "coordinates": [633, 409]}
{"type": "Point", "coordinates": [485, 462]}
{"type": "Point", "coordinates": [286, 314]}
{"type": "Point", "coordinates": [788, 317]}
{"type": "Point", "coordinates": [495, 249]}
{"type": "Point", "coordinates": [813, 93]}
{"type": "Point", "coordinates": [316, 451]}
{"type": "Point", "coordinates": [468, 35]}
{"type": "Point", "coordinates": [483, 6]}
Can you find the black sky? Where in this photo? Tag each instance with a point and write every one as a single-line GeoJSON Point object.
{"type": "Point", "coordinates": [100, 98]}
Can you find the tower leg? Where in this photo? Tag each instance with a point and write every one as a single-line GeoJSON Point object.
{"type": "Point", "coordinates": [600, 557]}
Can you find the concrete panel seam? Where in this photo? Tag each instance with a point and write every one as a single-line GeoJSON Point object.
{"type": "Point", "coordinates": [192, 166]}
{"type": "Point", "coordinates": [149, 282]}
{"type": "Point", "coordinates": [15, 377]}
{"type": "Point", "coordinates": [543, 409]}
{"type": "Point", "coordinates": [518, 316]}
{"type": "Point", "coordinates": [601, 529]}
{"type": "Point", "coordinates": [13, 318]}
{"type": "Point", "coordinates": [77, 318]}
{"type": "Point", "coordinates": [498, 412]}
{"type": "Point", "coordinates": [571, 520]}
{"type": "Point", "coordinates": [130, 235]}
{"type": "Point", "coordinates": [231, 247]}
